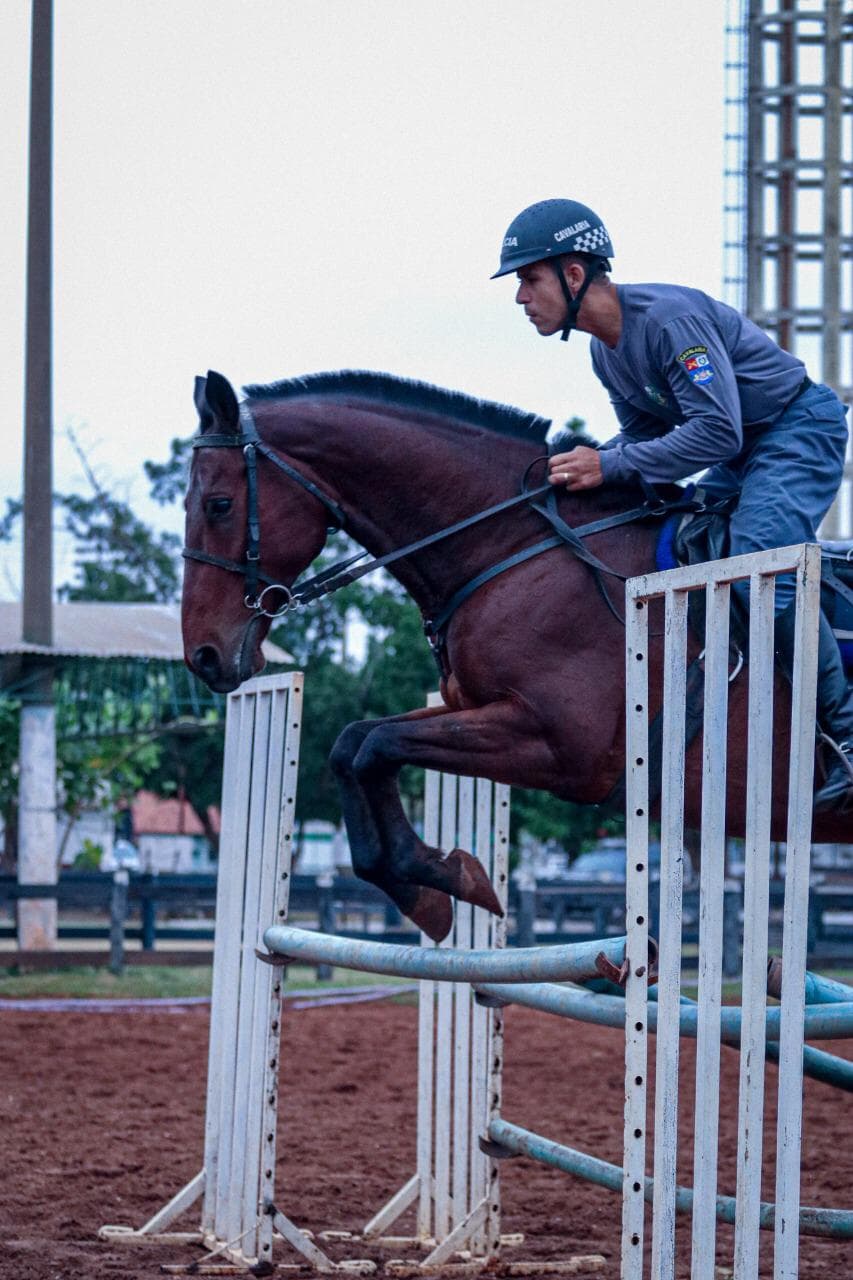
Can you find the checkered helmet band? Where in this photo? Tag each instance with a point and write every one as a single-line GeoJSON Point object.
{"type": "Point", "coordinates": [591, 241]}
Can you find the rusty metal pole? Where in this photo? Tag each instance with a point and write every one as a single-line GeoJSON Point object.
{"type": "Point", "coordinates": [37, 787]}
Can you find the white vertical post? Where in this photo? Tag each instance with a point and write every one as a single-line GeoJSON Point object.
{"type": "Point", "coordinates": [259, 781]}
{"type": "Point", "coordinates": [37, 917]}
{"type": "Point", "coordinates": [462, 1117]}
{"type": "Point", "coordinates": [426, 1042]}
{"type": "Point", "coordinates": [444, 1043]}
{"type": "Point", "coordinates": [455, 1186]}
{"type": "Point", "coordinates": [637, 930]}
{"type": "Point", "coordinates": [712, 875]}
{"type": "Point", "coordinates": [755, 927]}
{"type": "Point", "coordinates": [671, 871]}
{"type": "Point", "coordinates": [795, 926]}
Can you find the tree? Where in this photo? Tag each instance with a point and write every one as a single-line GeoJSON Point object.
{"type": "Point", "coordinates": [121, 559]}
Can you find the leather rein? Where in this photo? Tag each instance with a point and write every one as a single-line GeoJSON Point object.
{"type": "Point", "coordinates": [346, 571]}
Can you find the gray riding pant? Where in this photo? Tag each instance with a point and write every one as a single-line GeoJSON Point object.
{"type": "Point", "coordinates": [787, 480]}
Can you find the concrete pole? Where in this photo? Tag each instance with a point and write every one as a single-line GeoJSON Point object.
{"type": "Point", "coordinates": [37, 791]}
{"type": "Point", "coordinates": [37, 923]}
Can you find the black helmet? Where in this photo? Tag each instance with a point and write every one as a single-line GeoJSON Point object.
{"type": "Point", "coordinates": [549, 229]}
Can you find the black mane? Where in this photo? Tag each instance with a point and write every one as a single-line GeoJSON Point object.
{"type": "Point", "coordinates": [388, 389]}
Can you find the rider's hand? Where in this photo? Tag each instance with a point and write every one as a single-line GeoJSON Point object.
{"type": "Point", "coordinates": [579, 469]}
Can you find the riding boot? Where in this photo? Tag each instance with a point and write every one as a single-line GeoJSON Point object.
{"type": "Point", "coordinates": [834, 710]}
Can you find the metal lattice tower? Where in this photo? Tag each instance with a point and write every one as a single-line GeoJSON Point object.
{"type": "Point", "coordinates": [788, 194]}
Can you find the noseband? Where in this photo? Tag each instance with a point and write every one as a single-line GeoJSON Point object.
{"type": "Point", "coordinates": [251, 443]}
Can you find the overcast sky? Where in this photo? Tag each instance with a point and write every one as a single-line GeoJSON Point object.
{"type": "Point", "coordinates": [271, 187]}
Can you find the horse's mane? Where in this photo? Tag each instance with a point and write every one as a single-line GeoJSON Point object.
{"type": "Point", "coordinates": [388, 389]}
{"type": "Point", "coordinates": [567, 439]}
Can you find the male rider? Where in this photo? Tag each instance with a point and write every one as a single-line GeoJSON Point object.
{"type": "Point", "coordinates": [695, 385]}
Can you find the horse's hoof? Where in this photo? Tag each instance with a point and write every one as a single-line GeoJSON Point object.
{"type": "Point", "coordinates": [471, 882]}
{"type": "Point", "coordinates": [432, 912]}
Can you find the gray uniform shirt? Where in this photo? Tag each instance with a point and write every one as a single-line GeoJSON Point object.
{"type": "Point", "coordinates": [686, 361]}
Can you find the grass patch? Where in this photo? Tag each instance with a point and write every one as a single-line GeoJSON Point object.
{"type": "Point", "coordinates": [86, 982]}
{"type": "Point", "coordinates": [158, 980]}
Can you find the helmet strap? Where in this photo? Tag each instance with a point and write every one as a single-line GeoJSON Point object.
{"type": "Point", "coordinates": [573, 304]}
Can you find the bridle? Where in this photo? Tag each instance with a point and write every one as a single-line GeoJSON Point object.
{"type": "Point", "coordinates": [251, 443]}
{"type": "Point", "coordinates": [342, 573]}
{"type": "Point", "coordinates": [337, 575]}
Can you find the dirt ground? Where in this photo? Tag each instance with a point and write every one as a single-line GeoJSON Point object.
{"type": "Point", "coordinates": [101, 1120]}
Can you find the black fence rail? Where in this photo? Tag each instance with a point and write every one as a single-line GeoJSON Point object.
{"type": "Point", "coordinates": [160, 910]}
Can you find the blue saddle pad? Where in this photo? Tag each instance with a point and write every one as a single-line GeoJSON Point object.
{"type": "Point", "coordinates": [841, 616]}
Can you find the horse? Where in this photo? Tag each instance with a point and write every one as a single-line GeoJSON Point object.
{"type": "Point", "coordinates": [532, 660]}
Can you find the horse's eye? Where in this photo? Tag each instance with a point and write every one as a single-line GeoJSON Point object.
{"type": "Point", "coordinates": [218, 507]}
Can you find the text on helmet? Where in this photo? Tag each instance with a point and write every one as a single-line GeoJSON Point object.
{"type": "Point", "coordinates": [572, 230]}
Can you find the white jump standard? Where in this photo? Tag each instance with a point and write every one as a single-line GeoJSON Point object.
{"type": "Point", "coordinates": [673, 587]}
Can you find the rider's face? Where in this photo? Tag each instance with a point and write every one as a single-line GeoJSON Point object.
{"type": "Point", "coordinates": [540, 294]}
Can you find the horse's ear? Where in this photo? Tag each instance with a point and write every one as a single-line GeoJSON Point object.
{"type": "Point", "coordinates": [205, 417]}
{"type": "Point", "coordinates": [222, 402]}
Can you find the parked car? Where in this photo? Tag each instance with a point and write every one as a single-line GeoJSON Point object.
{"type": "Point", "coordinates": [606, 864]}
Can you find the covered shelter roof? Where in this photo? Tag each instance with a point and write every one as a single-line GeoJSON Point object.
{"type": "Point", "coordinates": [117, 670]}
{"type": "Point", "coordinates": [94, 630]}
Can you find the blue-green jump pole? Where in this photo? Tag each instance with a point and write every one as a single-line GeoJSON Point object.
{"type": "Point", "coordinates": [822, 1022]}
{"type": "Point", "coordinates": [835, 1223]}
{"type": "Point", "coordinates": [817, 1064]}
{"type": "Point", "coordinates": [572, 962]}
{"type": "Point", "coordinates": [819, 990]}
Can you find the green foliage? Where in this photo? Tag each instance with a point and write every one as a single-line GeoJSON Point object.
{"type": "Point", "coordinates": [9, 734]}
{"type": "Point", "coordinates": [189, 761]}
{"type": "Point", "coordinates": [98, 773]}
{"type": "Point", "coordinates": [575, 827]}
{"type": "Point", "coordinates": [120, 558]}
{"type": "Point", "coordinates": [89, 857]}
{"type": "Point", "coordinates": [14, 510]}
{"type": "Point", "coordinates": [169, 479]}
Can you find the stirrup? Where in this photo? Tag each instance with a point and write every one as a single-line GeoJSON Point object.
{"type": "Point", "coordinates": [842, 802]}
{"type": "Point", "coordinates": [844, 750]}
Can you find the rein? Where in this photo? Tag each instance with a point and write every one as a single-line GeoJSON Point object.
{"type": "Point", "coordinates": [343, 573]}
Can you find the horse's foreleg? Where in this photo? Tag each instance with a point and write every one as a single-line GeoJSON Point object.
{"type": "Point", "coordinates": [497, 742]}
{"type": "Point", "coordinates": [429, 907]}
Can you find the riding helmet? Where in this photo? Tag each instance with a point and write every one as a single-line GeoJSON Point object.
{"type": "Point", "coordinates": [551, 228]}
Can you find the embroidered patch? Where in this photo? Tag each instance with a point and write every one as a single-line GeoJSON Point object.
{"type": "Point", "coordinates": [654, 394]}
{"type": "Point", "coordinates": [697, 366]}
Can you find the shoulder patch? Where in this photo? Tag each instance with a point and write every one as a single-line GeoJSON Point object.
{"type": "Point", "coordinates": [697, 366]}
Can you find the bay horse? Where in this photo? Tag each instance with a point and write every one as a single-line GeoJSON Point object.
{"type": "Point", "coordinates": [533, 680]}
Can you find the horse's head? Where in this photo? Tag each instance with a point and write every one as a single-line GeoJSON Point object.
{"type": "Point", "coordinates": [246, 527]}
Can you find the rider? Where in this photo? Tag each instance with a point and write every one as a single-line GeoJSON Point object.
{"type": "Point", "coordinates": [672, 357]}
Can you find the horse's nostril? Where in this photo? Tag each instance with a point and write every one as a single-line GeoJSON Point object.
{"type": "Point", "coordinates": [205, 661]}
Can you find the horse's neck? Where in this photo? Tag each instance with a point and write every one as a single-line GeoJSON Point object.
{"type": "Point", "coordinates": [401, 480]}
